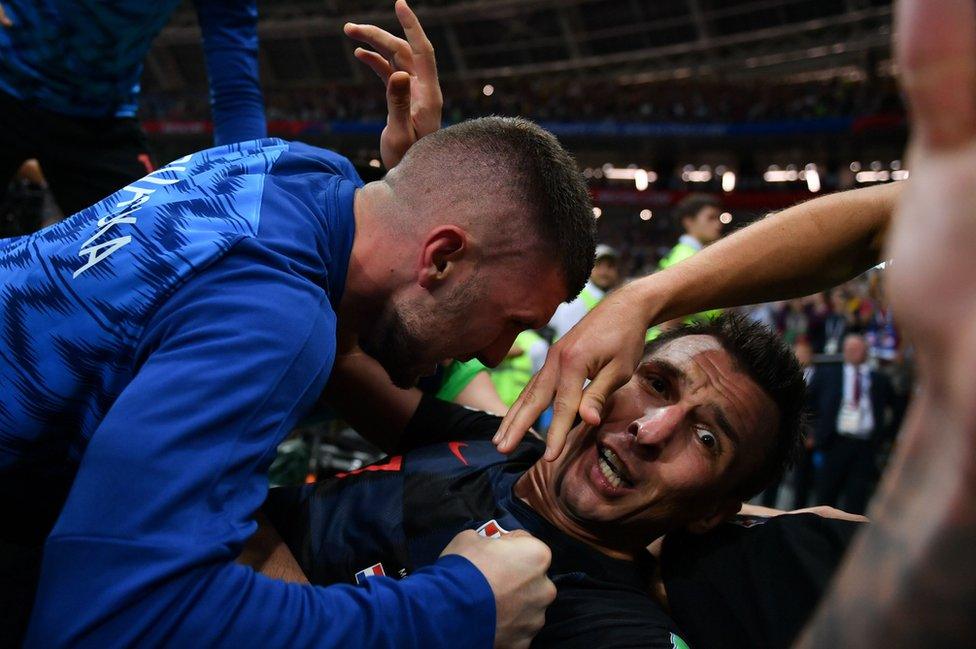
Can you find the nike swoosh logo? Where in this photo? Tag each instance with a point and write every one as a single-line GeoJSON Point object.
{"type": "Point", "coordinates": [456, 450]}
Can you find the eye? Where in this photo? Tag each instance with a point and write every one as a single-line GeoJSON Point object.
{"type": "Point", "coordinates": [706, 437]}
{"type": "Point", "coordinates": [657, 384]}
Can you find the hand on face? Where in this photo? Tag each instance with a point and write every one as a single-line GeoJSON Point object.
{"type": "Point", "coordinates": [605, 346]}
{"type": "Point", "coordinates": [409, 71]}
{"type": "Point", "coordinates": [676, 442]}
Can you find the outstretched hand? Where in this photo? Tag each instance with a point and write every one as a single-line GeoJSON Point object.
{"type": "Point", "coordinates": [605, 346]}
{"type": "Point", "coordinates": [408, 69]}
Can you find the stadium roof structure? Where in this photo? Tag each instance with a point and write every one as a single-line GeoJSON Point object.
{"type": "Point", "coordinates": [630, 41]}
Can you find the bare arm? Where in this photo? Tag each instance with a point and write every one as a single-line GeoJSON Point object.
{"type": "Point", "coordinates": [266, 553]}
{"type": "Point", "coordinates": [481, 394]}
{"type": "Point", "coordinates": [796, 252]}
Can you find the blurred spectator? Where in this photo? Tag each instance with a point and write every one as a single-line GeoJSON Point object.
{"type": "Point", "coordinates": [700, 218]}
{"type": "Point", "coordinates": [604, 277]}
{"type": "Point", "coordinates": [802, 474]}
{"type": "Point", "coordinates": [854, 410]}
{"type": "Point", "coordinates": [525, 358]}
{"type": "Point", "coordinates": [565, 99]}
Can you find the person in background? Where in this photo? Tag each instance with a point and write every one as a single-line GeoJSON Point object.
{"type": "Point", "coordinates": [524, 359]}
{"type": "Point", "coordinates": [699, 215]}
{"type": "Point", "coordinates": [604, 277]}
{"type": "Point", "coordinates": [853, 406]}
{"type": "Point", "coordinates": [837, 322]}
{"type": "Point", "coordinates": [72, 72]}
{"type": "Point", "coordinates": [467, 383]}
{"type": "Point", "coordinates": [803, 351]}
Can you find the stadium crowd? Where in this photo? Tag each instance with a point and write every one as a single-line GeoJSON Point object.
{"type": "Point", "coordinates": [572, 100]}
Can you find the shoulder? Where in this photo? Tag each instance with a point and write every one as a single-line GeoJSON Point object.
{"type": "Point", "coordinates": [304, 158]}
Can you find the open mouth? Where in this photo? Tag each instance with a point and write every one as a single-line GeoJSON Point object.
{"type": "Point", "coordinates": [612, 468]}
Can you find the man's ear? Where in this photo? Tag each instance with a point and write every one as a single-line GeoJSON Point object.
{"type": "Point", "coordinates": [443, 247]}
{"type": "Point", "coordinates": [722, 513]}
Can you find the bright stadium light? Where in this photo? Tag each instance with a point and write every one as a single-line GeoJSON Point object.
{"type": "Point", "coordinates": [374, 163]}
{"type": "Point", "coordinates": [872, 176]}
{"type": "Point", "coordinates": [725, 218]}
{"type": "Point", "coordinates": [488, 90]}
{"type": "Point", "coordinates": [728, 181]}
{"type": "Point", "coordinates": [640, 179]}
{"type": "Point", "coordinates": [813, 178]}
{"type": "Point", "coordinates": [901, 174]}
{"type": "Point", "coordinates": [646, 215]}
{"type": "Point", "coordinates": [597, 212]}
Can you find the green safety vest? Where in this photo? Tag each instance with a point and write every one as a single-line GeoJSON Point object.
{"type": "Point", "coordinates": [513, 374]}
{"type": "Point", "coordinates": [679, 253]}
{"type": "Point", "coordinates": [589, 299]}
{"type": "Point", "coordinates": [457, 377]}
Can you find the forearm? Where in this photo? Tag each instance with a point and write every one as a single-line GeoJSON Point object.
{"type": "Point", "coordinates": [482, 395]}
{"type": "Point", "coordinates": [230, 43]}
{"type": "Point", "coordinates": [267, 553]}
{"type": "Point", "coordinates": [796, 252]}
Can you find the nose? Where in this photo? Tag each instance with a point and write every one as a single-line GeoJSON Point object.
{"type": "Point", "coordinates": [655, 427]}
{"type": "Point", "coordinates": [496, 352]}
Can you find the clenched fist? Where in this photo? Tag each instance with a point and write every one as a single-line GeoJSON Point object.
{"type": "Point", "coordinates": [515, 567]}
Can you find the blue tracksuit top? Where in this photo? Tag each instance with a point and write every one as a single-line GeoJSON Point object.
{"type": "Point", "coordinates": [84, 57]}
{"type": "Point", "coordinates": [156, 347]}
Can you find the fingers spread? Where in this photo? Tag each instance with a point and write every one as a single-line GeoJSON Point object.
{"type": "Point", "coordinates": [377, 63]}
{"type": "Point", "coordinates": [533, 400]}
{"type": "Point", "coordinates": [565, 406]}
{"type": "Point", "coordinates": [394, 49]}
{"type": "Point", "coordinates": [420, 46]}
{"type": "Point", "coordinates": [596, 394]}
{"type": "Point", "coordinates": [398, 102]}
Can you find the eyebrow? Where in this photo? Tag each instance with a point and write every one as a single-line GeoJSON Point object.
{"type": "Point", "coordinates": [723, 423]}
{"type": "Point", "coordinates": [666, 366]}
{"type": "Point", "coordinates": [713, 410]}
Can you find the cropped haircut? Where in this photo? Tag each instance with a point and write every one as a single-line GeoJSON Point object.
{"type": "Point", "coordinates": [515, 159]}
{"type": "Point", "coordinates": [689, 206]}
{"type": "Point", "coordinates": [763, 356]}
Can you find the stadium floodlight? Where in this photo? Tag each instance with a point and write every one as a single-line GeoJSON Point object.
{"type": "Point", "coordinates": [728, 181]}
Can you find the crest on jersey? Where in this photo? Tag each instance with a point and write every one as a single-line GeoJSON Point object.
{"type": "Point", "coordinates": [492, 530]}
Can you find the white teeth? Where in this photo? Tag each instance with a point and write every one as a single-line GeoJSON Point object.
{"type": "Point", "coordinates": [609, 473]}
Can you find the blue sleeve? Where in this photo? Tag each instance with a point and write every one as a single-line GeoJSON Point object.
{"type": "Point", "coordinates": [230, 44]}
{"type": "Point", "coordinates": [143, 553]}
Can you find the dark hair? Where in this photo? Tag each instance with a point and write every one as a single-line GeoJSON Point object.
{"type": "Point", "coordinates": [762, 355]}
{"type": "Point", "coordinates": [689, 206]}
{"type": "Point", "coordinates": [521, 159]}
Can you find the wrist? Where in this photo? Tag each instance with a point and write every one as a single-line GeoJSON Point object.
{"type": "Point", "coordinates": [654, 297]}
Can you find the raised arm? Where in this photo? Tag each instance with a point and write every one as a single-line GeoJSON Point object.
{"type": "Point", "coordinates": [795, 252]}
{"type": "Point", "coordinates": [230, 45]}
{"type": "Point", "coordinates": [409, 71]}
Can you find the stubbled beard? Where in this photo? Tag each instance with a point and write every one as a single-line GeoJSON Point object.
{"type": "Point", "coordinates": [391, 342]}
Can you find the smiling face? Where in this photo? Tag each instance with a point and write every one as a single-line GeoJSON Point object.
{"type": "Point", "coordinates": [675, 444]}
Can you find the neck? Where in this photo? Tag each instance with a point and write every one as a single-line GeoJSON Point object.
{"type": "Point", "coordinates": [372, 275]}
{"type": "Point", "coordinates": [533, 488]}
